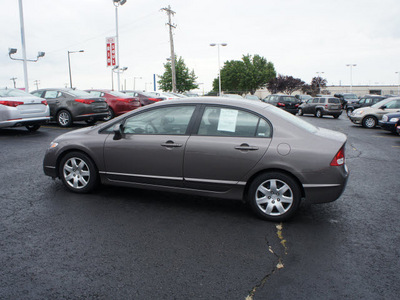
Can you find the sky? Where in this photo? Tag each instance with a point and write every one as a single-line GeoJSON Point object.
{"type": "Point", "coordinates": [300, 38]}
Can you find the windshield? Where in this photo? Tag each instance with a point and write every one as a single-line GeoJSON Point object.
{"type": "Point", "coordinates": [380, 103]}
{"type": "Point", "coordinates": [14, 93]}
{"type": "Point", "coordinates": [79, 93]}
{"type": "Point", "coordinates": [350, 96]}
{"type": "Point", "coordinates": [118, 94]}
{"type": "Point", "coordinates": [296, 121]}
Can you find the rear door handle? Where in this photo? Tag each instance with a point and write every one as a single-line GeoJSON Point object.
{"type": "Point", "coordinates": [246, 147]}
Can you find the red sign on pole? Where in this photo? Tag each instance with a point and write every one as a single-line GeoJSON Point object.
{"type": "Point", "coordinates": [110, 43]}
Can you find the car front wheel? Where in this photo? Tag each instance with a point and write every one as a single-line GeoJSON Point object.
{"type": "Point", "coordinates": [110, 115]}
{"type": "Point", "coordinates": [300, 112]}
{"type": "Point", "coordinates": [274, 196]}
{"type": "Point", "coordinates": [349, 112]}
{"type": "Point", "coordinates": [78, 172]}
{"type": "Point", "coordinates": [32, 128]}
{"type": "Point", "coordinates": [318, 113]}
{"type": "Point", "coordinates": [369, 122]}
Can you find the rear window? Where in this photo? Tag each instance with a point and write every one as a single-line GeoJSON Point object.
{"type": "Point", "coordinates": [333, 100]}
{"type": "Point", "coordinates": [289, 99]}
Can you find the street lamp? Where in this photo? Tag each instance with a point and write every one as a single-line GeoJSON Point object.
{"type": "Point", "coordinates": [117, 3]}
{"type": "Point", "coordinates": [319, 81]}
{"type": "Point", "coordinates": [219, 65]}
{"type": "Point", "coordinates": [351, 75]}
{"type": "Point", "coordinates": [398, 86]}
{"type": "Point", "coordinates": [134, 82]}
{"type": "Point", "coordinates": [69, 66]}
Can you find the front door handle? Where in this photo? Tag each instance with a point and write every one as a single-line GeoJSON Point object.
{"type": "Point", "coordinates": [246, 147]}
{"type": "Point", "coordinates": [171, 144]}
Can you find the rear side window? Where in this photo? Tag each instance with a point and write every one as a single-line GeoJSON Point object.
{"type": "Point", "coordinates": [315, 100]}
{"type": "Point", "coordinates": [52, 94]}
{"type": "Point", "coordinates": [219, 121]}
{"type": "Point", "coordinates": [333, 100]}
{"type": "Point", "coordinates": [321, 100]}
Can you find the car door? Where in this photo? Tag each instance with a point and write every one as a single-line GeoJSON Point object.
{"type": "Point", "coordinates": [151, 148]}
{"type": "Point", "coordinates": [228, 144]}
{"type": "Point", "coordinates": [53, 99]}
{"type": "Point", "coordinates": [307, 106]}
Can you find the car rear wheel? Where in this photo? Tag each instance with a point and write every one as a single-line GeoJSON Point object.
{"type": "Point", "coordinates": [78, 172]}
{"type": "Point", "coordinates": [336, 116]}
{"type": "Point", "coordinates": [110, 115]}
{"type": "Point", "coordinates": [32, 128]}
{"type": "Point", "coordinates": [369, 122]}
{"type": "Point", "coordinates": [300, 112]}
{"type": "Point", "coordinates": [64, 118]}
{"type": "Point", "coordinates": [318, 113]}
{"type": "Point", "coordinates": [274, 196]}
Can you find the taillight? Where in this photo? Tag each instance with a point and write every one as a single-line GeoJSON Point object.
{"type": "Point", "coordinates": [154, 99]}
{"type": "Point", "coordinates": [85, 101]}
{"type": "Point", "coordinates": [339, 158]}
{"type": "Point", "coordinates": [11, 103]}
{"type": "Point", "coordinates": [44, 102]}
{"type": "Point", "coordinates": [280, 104]}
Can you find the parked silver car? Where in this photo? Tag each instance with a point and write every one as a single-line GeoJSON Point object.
{"type": "Point", "coordinates": [369, 117]}
{"type": "Point", "coordinates": [18, 108]}
{"type": "Point", "coordinates": [321, 106]}
{"type": "Point", "coordinates": [212, 146]}
{"type": "Point", "coordinates": [69, 105]}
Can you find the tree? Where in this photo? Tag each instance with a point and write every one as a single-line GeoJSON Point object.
{"type": "Point", "coordinates": [284, 84]}
{"type": "Point", "coordinates": [246, 75]}
{"type": "Point", "coordinates": [313, 89]}
{"type": "Point", "coordinates": [185, 79]}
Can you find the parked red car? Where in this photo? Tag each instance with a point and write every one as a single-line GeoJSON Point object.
{"type": "Point", "coordinates": [118, 103]}
{"type": "Point", "coordinates": [145, 97]}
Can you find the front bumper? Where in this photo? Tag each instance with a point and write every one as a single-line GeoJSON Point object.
{"type": "Point", "coordinates": [390, 126]}
{"type": "Point", "coordinates": [356, 119]}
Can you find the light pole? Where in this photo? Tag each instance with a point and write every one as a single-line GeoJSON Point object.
{"type": "Point", "coordinates": [219, 65]}
{"type": "Point", "coordinates": [117, 70]}
{"type": "Point", "coordinates": [14, 79]}
{"type": "Point", "coordinates": [117, 3]}
{"type": "Point", "coordinates": [398, 86]}
{"type": "Point", "coordinates": [319, 81]}
{"type": "Point", "coordinates": [134, 82]}
{"type": "Point", "coordinates": [69, 66]}
{"type": "Point", "coordinates": [351, 76]}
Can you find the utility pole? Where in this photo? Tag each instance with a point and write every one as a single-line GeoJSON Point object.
{"type": "Point", "coordinates": [171, 12]}
{"type": "Point", "coordinates": [14, 79]}
{"type": "Point", "coordinates": [36, 82]}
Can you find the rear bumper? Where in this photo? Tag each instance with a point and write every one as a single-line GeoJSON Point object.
{"type": "Point", "coordinates": [24, 122]}
{"type": "Point", "coordinates": [323, 193]}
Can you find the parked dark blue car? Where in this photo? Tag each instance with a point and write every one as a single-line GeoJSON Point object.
{"type": "Point", "coordinates": [390, 121]}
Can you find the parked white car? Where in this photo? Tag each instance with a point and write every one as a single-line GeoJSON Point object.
{"type": "Point", "coordinates": [18, 108]}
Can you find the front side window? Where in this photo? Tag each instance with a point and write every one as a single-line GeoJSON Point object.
{"type": "Point", "coordinates": [315, 100]}
{"type": "Point", "coordinates": [219, 121]}
{"type": "Point", "coordinates": [172, 120]}
{"type": "Point", "coordinates": [393, 104]}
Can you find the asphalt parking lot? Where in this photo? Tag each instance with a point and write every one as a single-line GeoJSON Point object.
{"type": "Point", "coordinates": [119, 243]}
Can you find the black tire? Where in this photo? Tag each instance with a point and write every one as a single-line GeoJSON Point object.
{"type": "Point", "coordinates": [318, 113]}
{"type": "Point", "coordinates": [300, 112]}
{"type": "Point", "coordinates": [78, 172]}
{"type": "Point", "coordinates": [369, 122]}
{"type": "Point", "coordinates": [265, 198]}
{"type": "Point", "coordinates": [349, 111]}
{"type": "Point", "coordinates": [110, 114]}
{"type": "Point", "coordinates": [32, 128]}
{"type": "Point", "coordinates": [64, 118]}
{"type": "Point", "coordinates": [336, 116]}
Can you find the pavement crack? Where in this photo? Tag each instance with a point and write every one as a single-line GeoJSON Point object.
{"type": "Point", "coordinates": [279, 265]}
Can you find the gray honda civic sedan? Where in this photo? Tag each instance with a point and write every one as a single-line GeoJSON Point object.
{"type": "Point", "coordinates": [217, 147]}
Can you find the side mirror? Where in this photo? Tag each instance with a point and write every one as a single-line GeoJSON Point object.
{"type": "Point", "coordinates": [383, 107]}
{"type": "Point", "coordinates": [117, 132]}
